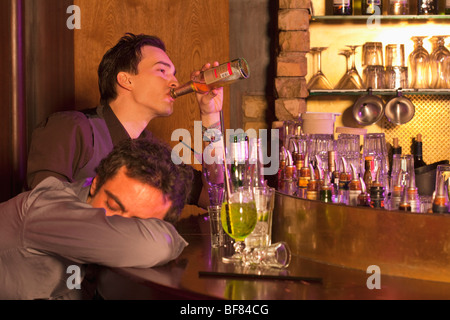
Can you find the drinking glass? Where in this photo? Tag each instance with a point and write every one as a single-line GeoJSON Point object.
{"type": "Point", "coordinates": [437, 58]}
{"type": "Point", "coordinates": [239, 218]}
{"type": "Point", "coordinates": [262, 234]}
{"type": "Point", "coordinates": [277, 255]}
{"type": "Point", "coordinates": [419, 64]}
{"type": "Point", "coordinates": [352, 80]}
{"type": "Point", "coordinates": [372, 54]}
{"type": "Point", "coordinates": [319, 145]}
{"type": "Point", "coordinates": [347, 146]}
{"type": "Point", "coordinates": [319, 81]}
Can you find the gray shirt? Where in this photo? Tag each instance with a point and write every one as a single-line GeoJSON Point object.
{"type": "Point", "coordinates": [48, 229]}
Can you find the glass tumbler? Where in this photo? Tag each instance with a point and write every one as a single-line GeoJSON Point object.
{"type": "Point", "coordinates": [375, 146]}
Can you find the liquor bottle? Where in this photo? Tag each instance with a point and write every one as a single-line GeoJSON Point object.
{"type": "Point", "coordinates": [236, 171]}
{"type": "Point", "coordinates": [344, 180]}
{"type": "Point", "coordinates": [325, 193]}
{"type": "Point", "coordinates": [396, 149]}
{"type": "Point", "coordinates": [343, 7]}
{"type": "Point", "coordinates": [303, 178]}
{"type": "Point", "coordinates": [404, 204]}
{"type": "Point", "coordinates": [255, 164]}
{"type": "Point", "coordinates": [312, 190]}
{"type": "Point", "coordinates": [418, 161]}
{"type": "Point", "coordinates": [354, 187]}
{"type": "Point", "coordinates": [364, 196]}
{"type": "Point", "coordinates": [413, 194]}
{"type": "Point", "coordinates": [440, 202]}
{"type": "Point", "coordinates": [377, 191]}
{"type": "Point", "coordinates": [368, 171]}
{"type": "Point", "coordinates": [334, 175]}
{"type": "Point", "coordinates": [282, 168]}
{"type": "Point", "coordinates": [370, 7]}
{"type": "Point", "coordinates": [398, 7]}
{"type": "Point", "coordinates": [427, 7]}
{"type": "Point", "coordinates": [290, 176]}
{"type": "Point", "coordinates": [222, 75]}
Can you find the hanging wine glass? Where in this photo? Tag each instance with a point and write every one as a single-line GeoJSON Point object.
{"type": "Point", "coordinates": [437, 57]}
{"type": "Point", "coordinates": [342, 82]}
{"type": "Point", "coordinates": [419, 63]}
{"type": "Point", "coordinates": [318, 80]}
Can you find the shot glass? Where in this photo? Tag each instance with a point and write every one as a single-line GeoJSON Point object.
{"type": "Point", "coordinates": [277, 255]}
{"type": "Point", "coordinates": [217, 232]}
{"type": "Point", "coordinates": [262, 234]}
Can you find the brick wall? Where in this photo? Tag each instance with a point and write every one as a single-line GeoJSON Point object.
{"type": "Point", "coordinates": [290, 83]}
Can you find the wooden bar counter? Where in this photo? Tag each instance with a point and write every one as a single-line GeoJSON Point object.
{"type": "Point", "coordinates": [332, 247]}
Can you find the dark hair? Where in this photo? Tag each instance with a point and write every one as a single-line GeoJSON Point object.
{"type": "Point", "coordinates": [124, 56]}
{"type": "Point", "coordinates": [150, 162]}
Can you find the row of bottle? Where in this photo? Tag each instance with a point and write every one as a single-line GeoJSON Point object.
{"type": "Point", "coordinates": [307, 178]}
{"type": "Point", "coordinates": [396, 7]}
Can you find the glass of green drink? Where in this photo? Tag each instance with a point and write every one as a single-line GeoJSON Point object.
{"type": "Point", "coordinates": [239, 218]}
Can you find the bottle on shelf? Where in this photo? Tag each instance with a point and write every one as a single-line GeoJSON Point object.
{"type": "Point", "coordinates": [447, 7]}
{"type": "Point", "coordinates": [398, 7]}
{"type": "Point", "coordinates": [368, 171]}
{"type": "Point", "coordinates": [312, 190]}
{"type": "Point", "coordinates": [369, 7]}
{"type": "Point", "coordinates": [290, 176]}
{"type": "Point", "coordinates": [222, 75]}
{"type": "Point", "coordinates": [404, 204]}
{"type": "Point", "coordinates": [281, 168]}
{"type": "Point", "coordinates": [303, 178]}
{"type": "Point", "coordinates": [377, 191]}
{"type": "Point", "coordinates": [427, 7]}
{"type": "Point", "coordinates": [396, 149]}
{"type": "Point", "coordinates": [418, 160]}
{"type": "Point", "coordinates": [343, 7]}
{"type": "Point", "coordinates": [413, 194]}
{"type": "Point", "coordinates": [236, 166]}
{"type": "Point", "coordinates": [325, 190]}
{"type": "Point", "coordinates": [344, 180]}
{"type": "Point", "coordinates": [364, 196]}
{"type": "Point", "coordinates": [440, 202]}
{"type": "Point", "coordinates": [354, 187]}
{"type": "Point", "coordinates": [334, 175]}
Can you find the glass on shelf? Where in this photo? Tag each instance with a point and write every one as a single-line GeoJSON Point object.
{"type": "Point", "coordinates": [437, 58]}
{"type": "Point", "coordinates": [351, 80]}
{"type": "Point", "coordinates": [419, 64]}
{"type": "Point", "coordinates": [319, 81]}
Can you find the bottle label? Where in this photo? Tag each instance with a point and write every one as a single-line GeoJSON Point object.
{"type": "Point", "coordinates": [345, 3]}
{"type": "Point", "coordinates": [218, 73]}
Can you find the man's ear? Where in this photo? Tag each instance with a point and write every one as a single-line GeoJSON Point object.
{"type": "Point", "coordinates": [124, 80]}
{"type": "Point", "coordinates": [93, 189]}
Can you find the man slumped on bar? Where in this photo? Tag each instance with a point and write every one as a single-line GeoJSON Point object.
{"type": "Point", "coordinates": [115, 219]}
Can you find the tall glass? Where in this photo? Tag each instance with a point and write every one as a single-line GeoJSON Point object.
{"type": "Point", "coordinates": [419, 64]}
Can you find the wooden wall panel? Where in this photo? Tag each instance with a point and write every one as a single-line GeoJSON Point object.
{"type": "Point", "coordinates": [5, 102]}
{"type": "Point", "coordinates": [195, 32]}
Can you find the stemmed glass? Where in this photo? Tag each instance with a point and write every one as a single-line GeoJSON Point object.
{"type": "Point", "coordinates": [239, 218]}
{"type": "Point", "coordinates": [355, 80]}
{"type": "Point", "coordinates": [318, 80]}
{"type": "Point", "coordinates": [343, 81]}
{"type": "Point", "coordinates": [419, 62]}
{"type": "Point", "coordinates": [437, 59]}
